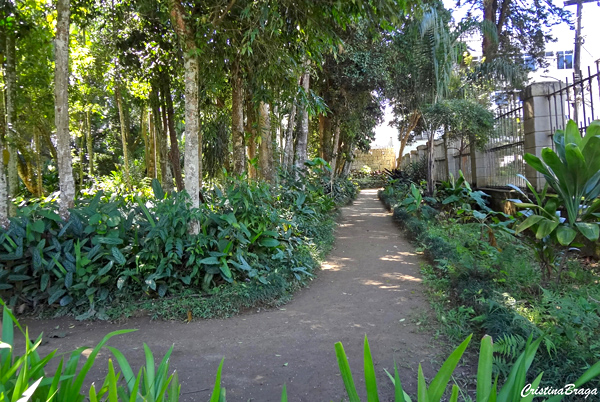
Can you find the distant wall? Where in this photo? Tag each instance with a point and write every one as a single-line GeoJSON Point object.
{"type": "Point", "coordinates": [376, 159]}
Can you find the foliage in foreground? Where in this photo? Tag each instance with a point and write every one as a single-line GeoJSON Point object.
{"type": "Point", "coordinates": [24, 377]}
{"type": "Point", "coordinates": [482, 278]}
{"type": "Point", "coordinates": [113, 247]}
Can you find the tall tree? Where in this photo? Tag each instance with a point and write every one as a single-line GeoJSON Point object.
{"type": "Point", "coordinates": [61, 85]}
{"type": "Point", "coordinates": [193, 137]}
{"type": "Point", "coordinates": [302, 143]}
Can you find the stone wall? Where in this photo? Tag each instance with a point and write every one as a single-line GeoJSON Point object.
{"type": "Point", "coordinates": [376, 159]}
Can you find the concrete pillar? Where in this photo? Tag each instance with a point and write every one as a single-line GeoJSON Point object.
{"type": "Point", "coordinates": [422, 152]}
{"type": "Point", "coordinates": [538, 114]}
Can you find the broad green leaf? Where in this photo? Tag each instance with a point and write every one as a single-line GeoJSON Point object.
{"type": "Point", "coordinates": [546, 227]}
{"type": "Point", "coordinates": [565, 235]}
{"type": "Point", "coordinates": [572, 134]}
{"type": "Point", "coordinates": [527, 223]}
{"type": "Point", "coordinates": [268, 242]}
{"type": "Point", "coordinates": [589, 230]}
{"type": "Point", "coordinates": [422, 394]}
{"type": "Point", "coordinates": [536, 163]}
{"type": "Point", "coordinates": [38, 226]}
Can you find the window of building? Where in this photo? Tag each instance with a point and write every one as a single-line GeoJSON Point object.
{"type": "Point", "coordinates": [529, 63]}
{"type": "Point", "coordinates": [564, 60]}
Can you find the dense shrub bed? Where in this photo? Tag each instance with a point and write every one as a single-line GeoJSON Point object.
{"type": "Point", "coordinates": [255, 243]}
{"type": "Point", "coordinates": [484, 279]}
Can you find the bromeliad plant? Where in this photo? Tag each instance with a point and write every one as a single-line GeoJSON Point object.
{"type": "Point", "coordinates": [573, 172]}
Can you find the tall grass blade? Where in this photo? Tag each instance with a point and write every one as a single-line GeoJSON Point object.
{"type": "Point", "coordinates": [217, 389]}
{"type": "Point", "coordinates": [126, 370]}
{"type": "Point", "coordinates": [422, 394]}
{"type": "Point", "coordinates": [534, 385]}
{"type": "Point", "coordinates": [454, 395]}
{"type": "Point", "coordinates": [346, 373]}
{"type": "Point", "coordinates": [440, 381]}
{"type": "Point", "coordinates": [149, 377]}
{"type": "Point", "coordinates": [370, 380]}
{"type": "Point", "coordinates": [484, 369]}
{"type": "Point", "coordinates": [284, 394]}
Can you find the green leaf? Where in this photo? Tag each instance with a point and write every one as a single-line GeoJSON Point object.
{"type": "Point", "coordinates": [589, 230]}
{"type": "Point", "coordinates": [536, 163]}
{"type": "Point", "coordinates": [527, 223]}
{"type": "Point", "coordinates": [268, 242]}
{"type": "Point", "coordinates": [572, 134]}
{"type": "Point", "coordinates": [38, 226]}
{"type": "Point", "coordinates": [370, 380]}
{"type": "Point", "coordinates": [210, 261]}
{"type": "Point", "coordinates": [157, 189]}
{"type": "Point", "coordinates": [56, 295]}
{"type": "Point", "coordinates": [215, 397]}
{"type": "Point", "coordinates": [546, 227]}
{"type": "Point", "coordinates": [119, 257]}
{"type": "Point", "coordinates": [565, 235]}
{"type": "Point", "coordinates": [484, 368]}
{"type": "Point", "coordinates": [225, 271]}
{"type": "Point", "coordinates": [439, 383]}
{"type": "Point", "coordinates": [346, 373]}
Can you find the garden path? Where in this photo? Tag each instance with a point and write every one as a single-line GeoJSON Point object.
{"type": "Point", "coordinates": [370, 284]}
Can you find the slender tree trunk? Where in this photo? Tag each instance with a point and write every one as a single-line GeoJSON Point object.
{"type": "Point", "coordinates": [145, 137]}
{"type": "Point", "coordinates": [266, 143]}
{"type": "Point", "coordinates": [302, 146]}
{"type": "Point", "coordinates": [151, 168]}
{"type": "Point", "coordinates": [251, 130]}
{"type": "Point", "coordinates": [413, 120]}
{"type": "Point", "coordinates": [430, 164]}
{"type": "Point", "coordinates": [237, 121]}
{"type": "Point", "coordinates": [473, 163]}
{"type": "Point", "coordinates": [336, 145]}
{"type": "Point", "coordinates": [4, 222]}
{"type": "Point", "coordinates": [90, 145]}
{"type": "Point", "coordinates": [124, 131]}
{"type": "Point", "coordinates": [11, 120]}
{"type": "Point", "coordinates": [325, 135]}
{"type": "Point", "coordinates": [174, 151]}
{"type": "Point", "coordinates": [193, 138]}
{"type": "Point", "coordinates": [81, 150]}
{"type": "Point", "coordinates": [38, 163]}
{"type": "Point", "coordinates": [446, 161]}
{"type": "Point", "coordinates": [288, 150]}
{"type": "Point", "coordinates": [61, 111]}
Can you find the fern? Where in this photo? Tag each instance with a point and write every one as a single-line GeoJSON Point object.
{"type": "Point", "coordinates": [506, 350]}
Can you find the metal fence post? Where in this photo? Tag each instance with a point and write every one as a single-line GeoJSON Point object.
{"type": "Point", "coordinates": [538, 113]}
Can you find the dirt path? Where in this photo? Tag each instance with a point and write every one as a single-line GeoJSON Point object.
{"type": "Point", "coordinates": [370, 284]}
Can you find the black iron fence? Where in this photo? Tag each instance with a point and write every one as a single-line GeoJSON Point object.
{"type": "Point", "coordinates": [577, 100]}
{"type": "Point", "coordinates": [503, 159]}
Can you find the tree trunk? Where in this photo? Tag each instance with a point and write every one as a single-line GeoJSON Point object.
{"type": "Point", "coordinates": [174, 151]}
{"type": "Point", "coordinates": [151, 168]}
{"type": "Point", "coordinates": [251, 130]}
{"type": "Point", "coordinates": [90, 145]}
{"type": "Point", "coordinates": [124, 132]}
{"type": "Point", "coordinates": [405, 131]}
{"type": "Point", "coordinates": [38, 164]}
{"type": "Point", "coordinates": [237, 120]}
{"type": "Point", "coordinates": [327, 150]}
{"type": "Point", "coordinates": [336, 145]}
{"type": "Point", "coordinates": [446, 161]}
{"type": "Point", "coordinates": [430, 164]}
{"type": "Point", "coordinates": [193, 139]}
{"type": "Point", "coordinates": [489, 46]}
{"type": "Point", "coordinates": [288, 150]}
{"type": "Point", "coordinates": [266, 143]}
{"type": "Point", "coordinates": [301, 147]}
{"type": "Point", "coordinates": [4, 222]}
{"type": "Point", "coordinates": [61, 111]}
{"type": "Point", "coordinates": [11, 120]}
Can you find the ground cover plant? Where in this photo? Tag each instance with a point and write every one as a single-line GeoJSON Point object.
{"type": "Point", "coordinates": [114, 248]}
{"type": "Point", "coordinates": [484, 277]}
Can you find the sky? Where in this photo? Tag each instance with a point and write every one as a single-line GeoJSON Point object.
{"type": "Point", "coordinates": [565, 41]}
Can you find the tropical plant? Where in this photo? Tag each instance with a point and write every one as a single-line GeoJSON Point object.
{"type": "Point", "coordinates": [573, 172]}
{"type": "Point", "coordinates": [512, 390]}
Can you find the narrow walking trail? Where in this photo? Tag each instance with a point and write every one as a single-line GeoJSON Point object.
{"type": "Point", "coordinates": [370, 284]}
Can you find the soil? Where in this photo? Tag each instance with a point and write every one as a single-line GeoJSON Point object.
{"type": "Point", "coordinates": [370, 284]}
